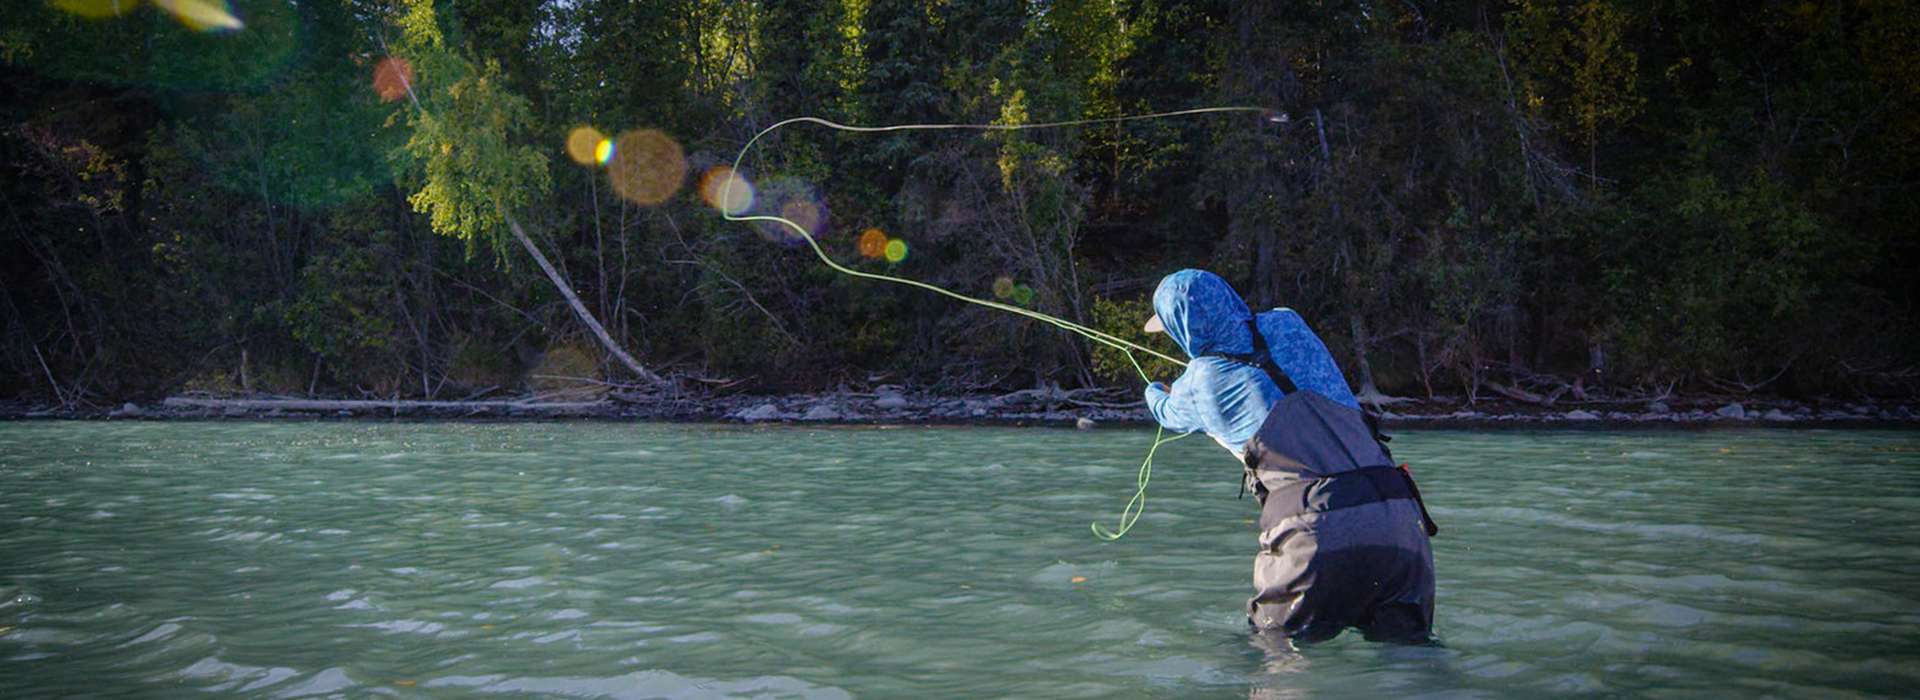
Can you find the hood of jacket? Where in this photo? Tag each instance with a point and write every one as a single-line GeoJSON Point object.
{"type": "Point", "coordinates": [1202, 314]}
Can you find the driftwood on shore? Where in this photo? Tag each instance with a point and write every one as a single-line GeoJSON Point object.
{"type": "Point", "coordinates": [1519, 394]}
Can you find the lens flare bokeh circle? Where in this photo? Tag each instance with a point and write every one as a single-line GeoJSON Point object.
{"type": "Point", "coordinates": [1022, 295]}
{"type": "Point", "coordinates": [1003, 287]}
{"type": "Point", "coordinates": [646, 167]}
{"type": "Point", "coordinates": [873, 243]}
{"type": "Point", "coordinates": [392, 78]}
{"type": "Point", "coordinates": [725, 190]}
{"type": "Point", "coordinates": [809, 214]}
{"type": "Point", "coordinates": [896, 250]}
{"type": "Point", "coordinates": [583, 145]}
{"type": "Point", "coordinates": [794, 200]}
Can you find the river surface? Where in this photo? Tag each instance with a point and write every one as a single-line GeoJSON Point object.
{"type": "Point", "coordinates": [613, 561]}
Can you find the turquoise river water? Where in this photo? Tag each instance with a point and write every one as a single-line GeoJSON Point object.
{"type": "Point", "coordinates": [612, 561]}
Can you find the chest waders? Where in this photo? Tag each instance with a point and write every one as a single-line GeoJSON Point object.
{"type": "Point", "coordinates": [1343, 534]}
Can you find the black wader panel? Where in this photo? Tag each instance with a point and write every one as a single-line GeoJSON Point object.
{"type": "Point", "coordinates": [1343, 537]}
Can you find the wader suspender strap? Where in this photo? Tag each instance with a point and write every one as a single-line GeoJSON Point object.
{"type": "Point", "coordinates": [1263, 359]}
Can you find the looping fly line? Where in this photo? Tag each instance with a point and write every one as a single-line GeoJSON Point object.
{"type": "Point", "coordinates": [1134, 507]}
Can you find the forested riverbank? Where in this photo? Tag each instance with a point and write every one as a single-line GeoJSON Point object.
{"type": "Point", "coordinates": [1503, 208]}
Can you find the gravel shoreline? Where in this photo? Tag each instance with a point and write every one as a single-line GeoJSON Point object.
{"type": "Point", "coordinates": [890, 405]}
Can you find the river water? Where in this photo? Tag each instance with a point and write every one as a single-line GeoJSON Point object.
{"type": "Point", "coordinates": [606, 560]}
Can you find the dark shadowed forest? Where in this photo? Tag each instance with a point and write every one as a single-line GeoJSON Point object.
{"type": "Point", "coordinates": [454, 199]}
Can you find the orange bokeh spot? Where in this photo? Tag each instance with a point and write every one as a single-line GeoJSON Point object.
{"type": "Point", "coordinates": [392, 78]}
{"type": "Point", "coordinates": [647, 166]}
{"type": "Point", "coordinates": [873, 243]}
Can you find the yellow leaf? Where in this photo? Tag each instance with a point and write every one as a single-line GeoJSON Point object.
{"type": "Point", "coordinates": [96, 9]}
{"type": "Point", "coordinates": [200, 15]}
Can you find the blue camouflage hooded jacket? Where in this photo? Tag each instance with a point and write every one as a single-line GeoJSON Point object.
{"type": "Point", "coordinates": [1226, 399]}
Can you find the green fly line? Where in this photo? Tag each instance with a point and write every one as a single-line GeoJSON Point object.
{"type": "Point", "coordinates": [1135, 506]}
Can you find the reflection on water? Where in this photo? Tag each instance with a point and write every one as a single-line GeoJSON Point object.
{"type": "Point", "coordinates": [605, 560]}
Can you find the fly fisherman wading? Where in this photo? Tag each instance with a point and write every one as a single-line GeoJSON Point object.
{"type": "Point", "coordinates": [1343, 535]}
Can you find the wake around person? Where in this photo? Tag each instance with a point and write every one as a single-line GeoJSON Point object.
{"type": "Point", "coordinates": [1343, 535]}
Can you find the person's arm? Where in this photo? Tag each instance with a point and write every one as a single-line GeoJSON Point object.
{"type": "Point", "coordinates": [1173, 408]}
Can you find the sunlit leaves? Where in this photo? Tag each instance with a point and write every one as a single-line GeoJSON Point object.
{"type": "Point", "coordinates": [476, 170]}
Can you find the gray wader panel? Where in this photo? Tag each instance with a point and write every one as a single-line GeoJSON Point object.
{"type": "Point", "coordinates": [1343, 542]}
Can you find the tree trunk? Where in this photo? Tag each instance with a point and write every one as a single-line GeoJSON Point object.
{"type": "Point", "coordinates": [1362, 344]}
{"type": "Point", "coordinates": [580, 309]}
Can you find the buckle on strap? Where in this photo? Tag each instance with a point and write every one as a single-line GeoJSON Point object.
{"type": "Point", "coordinates": [1248, 460]}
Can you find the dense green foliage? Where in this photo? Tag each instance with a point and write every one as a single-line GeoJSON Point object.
{"type": "Point", "coordinates": [1605, 196]}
